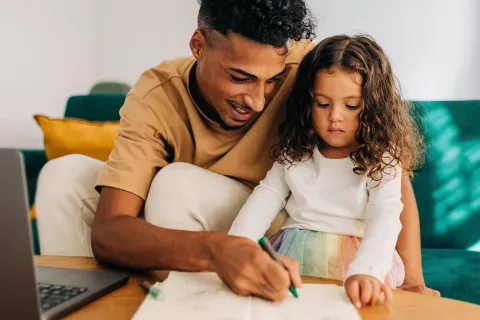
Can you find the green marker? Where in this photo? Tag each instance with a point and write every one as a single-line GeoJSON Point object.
{"type": "Point", "coordinates": [156, 293]}
{"type": "Point", "coordinates": [151, 290]}
{"type": "Point", "coordinates": [268, 248]}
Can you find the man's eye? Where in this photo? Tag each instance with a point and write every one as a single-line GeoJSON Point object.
{"type": "Point", "coordinates": [273, 80]}
{"type": "Point", "coordinates": [239, 80]}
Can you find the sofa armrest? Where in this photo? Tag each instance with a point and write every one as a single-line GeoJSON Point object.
{"type": "Point", "coordinates": [34, 160]}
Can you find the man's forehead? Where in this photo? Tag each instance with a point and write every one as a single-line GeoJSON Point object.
{"type": "Point", "coordinates": [260, 68]}
{"type": "Point", "coordinates": [263, 61]}
{"type": "Point", "coordinates": [235, 42]}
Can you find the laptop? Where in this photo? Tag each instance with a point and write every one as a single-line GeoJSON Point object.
{"type": "Point", "coordinates": [30, 292]}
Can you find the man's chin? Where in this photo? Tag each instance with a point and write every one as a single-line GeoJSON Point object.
{"type": "Point", "coordinates": [231, 124]}
{"type": "Point", "coordinates": [228, 127]}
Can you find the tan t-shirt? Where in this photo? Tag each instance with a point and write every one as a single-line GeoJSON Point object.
{"type": "Point", "coordinates": [161, 124]}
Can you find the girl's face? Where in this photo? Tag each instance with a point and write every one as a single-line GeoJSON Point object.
{"type": "Point", "coordinates": [338, 102]}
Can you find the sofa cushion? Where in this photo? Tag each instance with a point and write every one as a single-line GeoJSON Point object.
{"type": "Point", "coordinates": [454, 272]}
{"type": "Point", "coordinates": [75, 136]}
{"type": "Point", "coordinates": [95, 106]}
{"type": "Point", "coordinates": [447, 187]}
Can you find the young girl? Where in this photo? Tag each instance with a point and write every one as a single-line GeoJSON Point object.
{"type": "Point", "coordinates": [346, 140]}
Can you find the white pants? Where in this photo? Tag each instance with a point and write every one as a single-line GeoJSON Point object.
{"type": "Point", "coordinates": [182, 196]}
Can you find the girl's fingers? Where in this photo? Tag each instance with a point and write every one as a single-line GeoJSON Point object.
{"type": "Point", "coordinates": [381, 297]}
{"type": "Point", "coordinates": [353, 290]}
{"type": "Point", "coordinates": [365, 291]}
{"type": "Point", "coordinates": [375, 292]}
{"type": "Point", "coordinates": [388, 294]}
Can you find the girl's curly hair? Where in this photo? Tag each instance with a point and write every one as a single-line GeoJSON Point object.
{"type": "Point", "coordinates": [386, 123]}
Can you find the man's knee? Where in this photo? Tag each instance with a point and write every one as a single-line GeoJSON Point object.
{"type": "Point", "coordinates": [65, 204]}
{"type": "Point", "coordinates": [185, 196]}
{"type": "Point", "coordinates": [64, 182]}
{"type": "Point", "coordinates": [170, 193]}
{"type": "Point", "coordinates": [67, 169]}
{"type": "Point", "coordinates": [175, 178]}
{"type": "Point", "coordinates": [186, 181]}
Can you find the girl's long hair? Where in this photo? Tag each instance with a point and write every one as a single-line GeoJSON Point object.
{"type": "Point", "coordinates": [386, 123]}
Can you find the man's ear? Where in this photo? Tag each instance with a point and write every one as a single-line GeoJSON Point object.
{"type": "Point", "coordinates": [198, 43]}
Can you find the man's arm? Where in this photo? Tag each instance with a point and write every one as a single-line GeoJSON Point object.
{"type": "Point", "coordinates": [408, 244]}
{"type": "Point", "coordinates": [120, 238]}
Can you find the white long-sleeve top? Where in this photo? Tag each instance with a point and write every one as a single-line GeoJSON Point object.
{"type": "Point", "coordinates": [325, 195]}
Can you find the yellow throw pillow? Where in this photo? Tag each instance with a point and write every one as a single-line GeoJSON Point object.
{"type": "Point", "coordinates": [33, 212]}
{"type": "Point", "coordinates": [65, 136]}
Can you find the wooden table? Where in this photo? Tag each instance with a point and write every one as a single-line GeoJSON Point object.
{"type": "Point", "coordinates": [123, 303]}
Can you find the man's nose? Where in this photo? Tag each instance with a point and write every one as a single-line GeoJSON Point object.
{"type": "Point", "coordinates": [255, 99]}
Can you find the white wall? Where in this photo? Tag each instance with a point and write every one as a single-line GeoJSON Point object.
{"type": "Point", "coordinates": [434, 45]}
{"type": "Point", "coordinates": [46, 55]}
{"type": "Point", "coordinates": [52, 49]}
{"type": "Point", "coordinates": [132, 36]}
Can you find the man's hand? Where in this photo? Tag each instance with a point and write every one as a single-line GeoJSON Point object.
{"type": "Point", "coordinates": [420, 288]}
{"type": "Point", "coordinates": [248, 270]}
{"type": "Point", "coordinates": [365, 290]}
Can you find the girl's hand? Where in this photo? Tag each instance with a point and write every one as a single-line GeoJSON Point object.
{"type": "Point", "coordinates": [365, 290]}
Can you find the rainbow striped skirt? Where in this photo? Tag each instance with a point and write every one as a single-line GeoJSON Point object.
{"type": "Point", "coordinates": [327, 255]}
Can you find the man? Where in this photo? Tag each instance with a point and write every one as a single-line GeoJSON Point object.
{"type": "Point", "coordinates": [194, 139]}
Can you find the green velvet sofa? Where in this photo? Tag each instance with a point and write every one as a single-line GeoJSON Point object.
{"type": "Point", "coordinates": [447, 187]}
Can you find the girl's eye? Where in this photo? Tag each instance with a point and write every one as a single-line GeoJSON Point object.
{"type": "Point", "coordinates": [352, 107]}
{"type": "Point", "coordinates": [322, 105]}
{"type": "Point", "coordinates": [239, 80]}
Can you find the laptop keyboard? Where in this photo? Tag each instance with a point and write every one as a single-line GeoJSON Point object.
{"type": "Point", "coordinates": [52, 295]}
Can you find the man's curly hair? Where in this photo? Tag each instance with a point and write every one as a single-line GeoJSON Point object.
{"type": "Point", "coordinates": [386, 123]}
{"type": "Point", "coordinates": [272, 22]}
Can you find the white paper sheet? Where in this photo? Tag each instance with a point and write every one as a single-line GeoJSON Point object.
{"type": "Point", "coordinates": [195, 296]}
{"type": "Point", "coordinates": [315, 302]}
{"type": "Point", "coordinates": [204, 296]}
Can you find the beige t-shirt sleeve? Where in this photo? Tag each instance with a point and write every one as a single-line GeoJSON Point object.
{"type": "Point", "coordinates": [140, 149]}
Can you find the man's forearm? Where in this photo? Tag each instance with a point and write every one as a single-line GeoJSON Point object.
{"type": "Point", "coordinates": [132, 243]}
{"type": "Point", "coordinates": [408, 244]}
